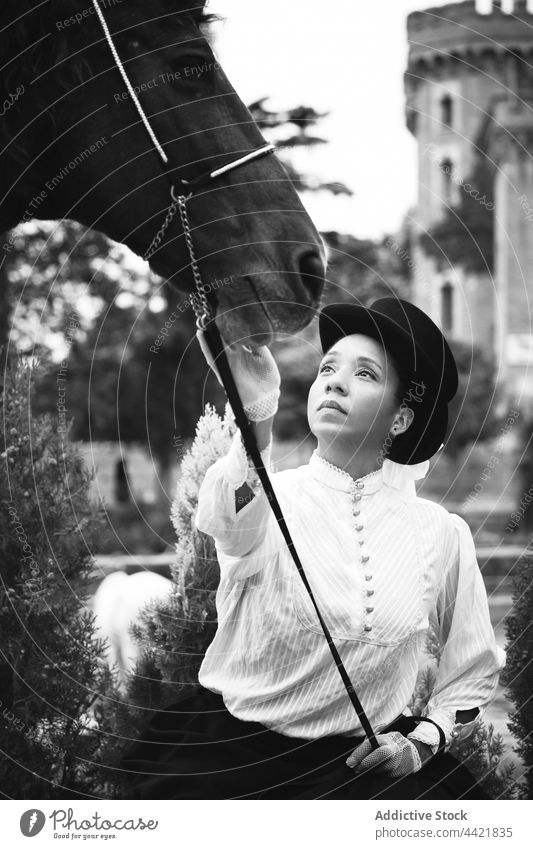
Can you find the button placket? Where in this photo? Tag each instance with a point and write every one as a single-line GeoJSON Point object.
{"type": "Point", "coordinates": [364, 558]}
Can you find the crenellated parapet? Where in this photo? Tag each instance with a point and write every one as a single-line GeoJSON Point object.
{"type": "Point", "coordinates": [446, 42]}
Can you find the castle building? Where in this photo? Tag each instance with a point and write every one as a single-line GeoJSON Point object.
{"type": "Point", "coordinates": [469, 104]}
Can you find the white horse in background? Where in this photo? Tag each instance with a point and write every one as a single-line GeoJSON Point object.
{"type": "Point", "coordinates": [117, 604]}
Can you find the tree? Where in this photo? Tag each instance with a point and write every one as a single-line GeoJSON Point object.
{"type": "Point", "coordinates": [49, 267]}
{"type": "Point", "coordinates": [518, 672]}
{"type": "Point", "coordinates": [521, 520]}
{"type": "Point", "coordinates": [471, 413]}
{"type": "Point", "coordinates": [52, 663]}
{"type": "Point", "coordinates": [276, 125]}
{"type": "Point", "coordinates": [465, 234]}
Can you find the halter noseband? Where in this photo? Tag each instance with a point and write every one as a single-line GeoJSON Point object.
{"type": "Point", "coordinates": [178, 200]}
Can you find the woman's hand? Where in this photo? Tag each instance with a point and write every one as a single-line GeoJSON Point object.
{"type": "Point", "coordinates": [396, 756]}
{"type": "Point", "coordinates": [256, 377]}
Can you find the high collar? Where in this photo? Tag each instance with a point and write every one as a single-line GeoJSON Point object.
{"type": "Point", "coordinates": [396, 475]}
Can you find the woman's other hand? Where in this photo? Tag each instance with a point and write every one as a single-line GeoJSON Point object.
{"type": "Point", "coordinates": [396, 756]}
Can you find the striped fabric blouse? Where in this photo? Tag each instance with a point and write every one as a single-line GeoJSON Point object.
{"type": "Point", "coordinates": [383, 563]}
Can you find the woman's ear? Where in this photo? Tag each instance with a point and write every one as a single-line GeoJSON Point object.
{"type": "Point", "coordinates": [402, 420]}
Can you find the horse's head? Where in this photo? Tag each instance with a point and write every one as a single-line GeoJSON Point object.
{"type": "Point", "coordinates": [78, 149]}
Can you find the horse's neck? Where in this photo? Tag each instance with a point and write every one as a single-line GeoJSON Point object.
{"type": "Point", "coordinates": [24, 192]}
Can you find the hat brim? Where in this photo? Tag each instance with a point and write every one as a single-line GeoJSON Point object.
{"type": "Point", "coordinates": [338, 320]}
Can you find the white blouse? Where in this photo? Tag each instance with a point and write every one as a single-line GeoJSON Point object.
{"type": "Point", "coordinates": [383, 564]}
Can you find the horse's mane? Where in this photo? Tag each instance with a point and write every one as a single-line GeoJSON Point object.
{"type": "Point", "coordinates": [31, 43]}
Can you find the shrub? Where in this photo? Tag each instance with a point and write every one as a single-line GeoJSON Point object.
{"type": "Point", "coordinates": [518, 673]}
{"type": "Point", "coordinates": [179, 630]}
{"type": "Point", "coordinates": [51, 663]}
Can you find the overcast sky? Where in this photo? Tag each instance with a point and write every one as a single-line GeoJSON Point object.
{"type": "Point", "coordinates": [345, 56]}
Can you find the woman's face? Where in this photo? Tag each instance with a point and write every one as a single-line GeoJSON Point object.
{"type": "Point", "coordinates": [356, 375]}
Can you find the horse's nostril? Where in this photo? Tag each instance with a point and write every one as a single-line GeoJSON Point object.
{"type": "Point", "coordinates": [312, 272]}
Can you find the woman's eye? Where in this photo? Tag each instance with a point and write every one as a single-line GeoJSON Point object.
{"type": "Point", "coordinates": [359, 371]}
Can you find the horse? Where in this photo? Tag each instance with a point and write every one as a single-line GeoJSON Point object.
{"type": "Point", "coordinates": [74, 145]}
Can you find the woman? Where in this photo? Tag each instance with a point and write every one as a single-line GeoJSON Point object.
{"type": "Point", "coordinates": [271, 717]}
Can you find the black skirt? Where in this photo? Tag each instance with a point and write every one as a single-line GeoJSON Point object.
{"type": "Point", "coordinates": [196, 749]}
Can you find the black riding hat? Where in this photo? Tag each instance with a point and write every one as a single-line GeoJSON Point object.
{"type": "Point", "coordinates": [421, 351]}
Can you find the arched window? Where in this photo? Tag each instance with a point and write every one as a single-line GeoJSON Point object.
{"type": "Point", "coordinates": [446, 110]}
{"type": "Point", "coordinates": [446, 308]}
{"type": "Point", "coordinates": [446, 167]}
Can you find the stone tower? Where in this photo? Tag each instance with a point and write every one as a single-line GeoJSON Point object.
{"type": "Point", "coordinates": [469, 99]}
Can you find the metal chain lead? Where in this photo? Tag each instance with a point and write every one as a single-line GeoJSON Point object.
{"type": "Point", "coordinates": [158, 238]}
{"type": "Point", "coordinates": [198, 299]}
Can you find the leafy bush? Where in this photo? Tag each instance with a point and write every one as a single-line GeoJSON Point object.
{"type": "Point", "coordinates": [471, 412]}
{"type": "Point", "coordinates": [518, 673]}
{"type": "Point", "coordinates": [51, 664]}
{"type": "Point", "coordinates": [465, 234]}
{"type": "Point", "coordinates": [180, 629]}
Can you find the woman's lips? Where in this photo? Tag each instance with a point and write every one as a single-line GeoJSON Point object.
{"type": "Point", "coordinates": [332, 405]}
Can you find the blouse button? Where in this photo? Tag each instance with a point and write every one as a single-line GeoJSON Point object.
{"type": "Point", "coordinates": [357, 496]}
{"type": "Point", "coordinates": [370, 592]}
{"type": "Point", "coordinates": [368, 578]}
{"type": "Point", "coordinates": [361, 541]}
{"type": "Point", "coordinates": [356, 512]}
{"type": "Point", "coordinates": [359, 485]}
{"type": "Point", "coordinates": [365, 558]}
{"type": "Point", "coordinates": [359, 527]}
{"type": "Point", "coordinates": [368, 627]}
{"type": "Point", "coordinates": [369, 609]}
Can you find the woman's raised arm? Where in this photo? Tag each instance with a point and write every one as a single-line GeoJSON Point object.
{"type": "Point", "coordinates": [232, 506]}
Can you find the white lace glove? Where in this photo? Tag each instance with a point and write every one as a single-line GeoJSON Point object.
{"type": "Point", "coordinates": [396, 756]}
{"type": "Point", "coordinates": [256, 377]}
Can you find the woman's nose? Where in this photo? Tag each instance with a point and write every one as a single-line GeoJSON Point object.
{"type": "Point", "coordinates": [336, 382]}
